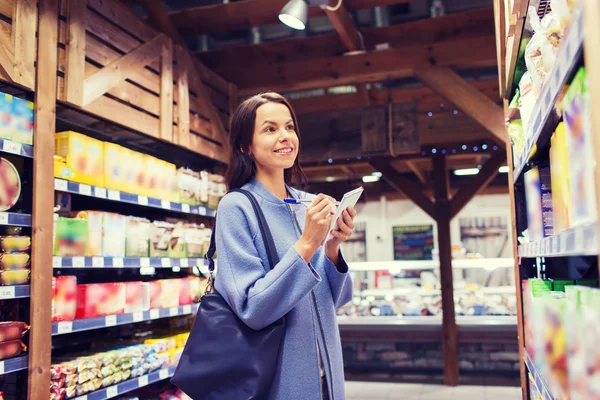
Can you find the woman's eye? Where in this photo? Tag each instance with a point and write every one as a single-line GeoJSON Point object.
{"type": "Point", "coordinates": [290, 128]}
{"type": "Point", "coordinates": [270, 129]}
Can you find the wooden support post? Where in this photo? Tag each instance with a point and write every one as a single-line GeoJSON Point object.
{"type": "Point", "coordinates": [75, 51]}
{"type": "Point", "coordinates": [40, 337]}
{"type": "Point", "coordinates": [23, 36]}
{"type": "Point", "coordinates": [166, 91]}
{"type": "Point", "coordinates": [442, 218]}
{"type": "Point", "coordinates": [418, 173]}
{"type": "Point", "coordinates": [182, 137]}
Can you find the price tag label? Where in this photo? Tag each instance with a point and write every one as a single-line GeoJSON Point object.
{"type": "Point", "coordinates": [3, 218]}
{"type": "Point", "coordinates": [98, 262]}
{"type": "Point", "coordinates": [166, 204]}
{"type": "Point", "coordinates": [138, 316]}
{"type": "Point", "coordinates": [56, 262]}
{"type": "Point", "coordinates": [110, 320]}
{"type": "Point", "coordinates": [154, 314]}
{"type": "Point", "coordinates": [65, 327]}
{"type": "Point", "coordinates": [78, 262]}
{"type": "Point", "coordinates": [187, 309]}
{"type": "Point", "coordinates": [117, 262]}
{"type": "Point", "coordinates": [100, 192]}
{"type": "Point", "coordinates": [165, 262]}
{"type": "Point", "coordinates": [184, 263]}
{"type": "Point", "coordinates": [7, 292]}
{"type": "Point", "coordinates": [202, 210]}
{"type": "Point", "coordinates": [143, 381]}
{"type": "Point", "coordinates": [555, 248]}
{"type": "Point", "coordinates": [1, 367]}
{"type": "Point", "coordinates": [114, 195]}
{"type": "Point", "coordinates": [185, 208]}
{"type": "Point", "coordinates": [85, 189]}
{"type": "Point", "coordinates": [143, 200]}
{"type": "Point", "coordinates": [12, 147]}
{"type": "Point", "coordinates": [176, 269]}
{"type": "Point", "coordinates": [163, 374]}
{"type": "Point", "coordinates": [60, 185]}
{"type": "Point", "coordinates": [144, 262]}
{"type": "Point", "coordinates": [112, 391]}
{"type": "Point", "coordinates": [84, 397]}
{"type": "Point", "coordinates": [174, 311]}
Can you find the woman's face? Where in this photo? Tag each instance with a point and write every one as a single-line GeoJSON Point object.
{"type": "Point", "coordinates": [274, 143]}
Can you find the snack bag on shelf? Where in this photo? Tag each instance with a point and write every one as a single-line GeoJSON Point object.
{"type": "Point", "coordinates": [582, 160]}
{"type": "Point", "coordinates": [71, 237]}
{"type": "Point", "coordinates": [188, 183]}
{"type": "Point", "coordinates": [14, 277]}
{"type": "Point", "coordinates": [113, 240]}
{"type": "Point", "coordinates": [540, 53]}
{"type": "Point", "coordinates": [15, 244]}
{"type": "Point", "coordinates": [194, 240]}
{"type": "Point", "coordinates": [22, 121]}
{"type": "Point", "coordinates": [11, 348]}
{"type": "Point", "coordinates": [14, 261]}
{"type": "Point", "coordinates": [84, 157]}
{"type": "Point", "coordinates": [137, 237]}
{"type": "Point", "coordinates": [95, 225]}
{"type": "Point", "coordinates": [559, 168]}
{"type": "Point", "coordinates": [100, 299]}
{"type": "Point", "coordinates": [178, 246]}
{"type": "Point", "coordinates": [527, 101]}
{"type": "Point", "coordinates": [213, 191]}
{"type": "Point", "coordinates": [532, 289]}
{"type": "Point", "coordinates": [64, 298]}
{"type": "Point", "coordinates": [161, 233]}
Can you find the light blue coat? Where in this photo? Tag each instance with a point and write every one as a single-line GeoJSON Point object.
{"type": "Point", "coordinates": [260, 296]}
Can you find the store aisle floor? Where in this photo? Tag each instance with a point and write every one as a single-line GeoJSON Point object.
{"type": "Point", "coordinates": [403, 391]}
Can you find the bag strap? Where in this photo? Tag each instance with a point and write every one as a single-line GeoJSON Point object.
{"type": "Point", "coordinates": [264, 230]}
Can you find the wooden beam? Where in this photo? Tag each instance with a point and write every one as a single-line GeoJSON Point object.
{"type": "Point", "coordinates": [157, 13]}
{"type": "Point", "coordinates": [442, 217]}
{"type": "Point", "coordinates": [469, 100]}
{"type": "Point", "coordinates": [487, 174]}
{"type": "Point", "coordinates": [403, 185]}
{"type": "Point", "coordinates": [247, 13]}
{"type": "Point", "coordinates": [24, 40]}
{"type": "Point", "coordinates": [182, 136]}
{"type": "Point", "coordinates": [116, 72]}
{"type": "Point", "coordinates": [166, 91]}
{"type": "Point", "coordinates": [419, 174]}
{"type": "Point", "coordinates": [40, 337]}
{"type": "Point", "coordinates": [75, 51]}
{"type": "Point", "coordinates": [374, 66]}
{"type": "Point", "coordinates": [342, 23]}
{"type": "Point", "coordinates": [499, 23]}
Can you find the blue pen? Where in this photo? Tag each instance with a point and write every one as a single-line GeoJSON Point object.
{"type": "Point", "coordinates": [302, 201]}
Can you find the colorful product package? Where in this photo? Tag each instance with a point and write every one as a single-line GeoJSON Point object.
{"type": "Point", "coordinates": [114, 167]}
{"type": "Point", "coordinates": [95, 228]}
{"type": "Point", "coordinates": [188, 184]}
{"type": "Point", "coordinates": [155, 294]}
{"type": "Point", "coordinates": [146, 292]}
{"type": "Point", "coordinates": [161, 233]}
{"type": "Point", "coordinates": [561, 285]}
{"type": "Point", "coordinates": [178, 246]}
{"type": "Point", "coordinates": [194, 240]}
{"type": "Point", "coordinates": [12, 244]}
{"type": "Point", "coordinates": [11, 349]}
{"type": "Point", "coordinates": [559, 168]}
{"type": "Point", "coordinates": [64, 298]}
{"type": "Point", "coordinates": [575, 346]}
{"type": "Point", "coordinates": [14, 277]}
{"type": "Point", "coordinates": [582, 161]}
{"type": "Point", "coordinates": [10, 189]}
{"type": "Point", "coordinates": [185, 295]}
{"type": "Point", "coordinates": [170, 289]}
{"type": "Point", "coordinates": [134, 301]}
{"type": "Point", "coordinates": [100, 299]}
{"type": "Point", "coordinates": [71, 237]}
{"type": "Point", "coordinates": [534, 204]}
{"type": "Point", "coordinates": [137, 237]}
{"type": "Point", "coordinates": [12, 330]}
{"type": "Point", "coordinates": [84, 157]}
{"type": "Point", "coordinates": [555, 345]}
{"type": "Point", "coordinates": [151, 177]}
{"type": "Point", "coordinates": [168, 183]}
{"type": "Point", "coordinates": [113, 240]}
{"type": "Point", "coordinates": [591, 330]}
{"type": "Point", "coordinates": [6, 115]}
{"type": "Point", "coordinates": [22, 121]}
{"type": "Point", "coordinates": [136, 176]}
{"type": "Point", "coordinates": [532, 288]}
{"type": "Point", "coordinates": [14, 261]}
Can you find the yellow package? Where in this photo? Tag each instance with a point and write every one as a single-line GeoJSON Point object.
{"type": "Point", "coordinates": [114, 167]}
{"type": "Point", "coordinates": [151, 174]}
{"type": "Point", "coordinates": [137, 177]}
{"type": "Point", "coordinates": [170, 286]}
{"type": "Point", "coordinates": [559, 170]}
{"type": "Point", "coordinates": [181, 339]}
{"type": "Point", "coordinates": [169, 181]}
{"type": "Point", "coordinates": [84, 157]}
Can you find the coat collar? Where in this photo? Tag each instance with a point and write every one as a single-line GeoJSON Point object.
{"type": "Point", "coordinates": [259, 189]}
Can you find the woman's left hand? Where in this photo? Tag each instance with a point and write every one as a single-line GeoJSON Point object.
{"type": "Point", "coordinates": [346, 226]}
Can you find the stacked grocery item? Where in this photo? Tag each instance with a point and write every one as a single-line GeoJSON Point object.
{"type": "Point", "coordinates": [169, 348]}
{"type": "Point", "coordinates": [560, 193]}
{"type": "Point", "coordinates": [11, 335]}
{"type": "Point", "coordinates": [14, 257]}
{"type": "Point", "coordinates": [86, 160]}
{"type": "Point", "coordinates": [11, 186]}
{"type": "Point", "coordinates": [561, 320]}
{"type": "Point", "coordinates": [16, 119]}
{"type": "Point", "coordinates": [105, 234]}
{"type": "Point", "coordinates": [72, 301]}
{"type": "Point", "coordinates": [82, 375]}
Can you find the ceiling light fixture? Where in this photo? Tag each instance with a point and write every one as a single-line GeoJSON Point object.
{"type": "Point", "coordinates": [370, 178]}
{"type": "Point", "coordinates": [466, 171]}
{"type": "Point", "coordinates": [295, 14]}
{"type": "Point", "coordinates": [503, 170]}
{"type": "Point", "coordinates": [329, 179]}
{"type": "Point", "coordinates": [377, 174]}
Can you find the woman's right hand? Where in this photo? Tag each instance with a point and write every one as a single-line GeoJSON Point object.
{"type": "Point", "coordinates": [318, 219]}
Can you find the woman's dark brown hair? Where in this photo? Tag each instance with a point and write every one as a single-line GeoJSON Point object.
{"type": "Point", "coordinates": [241, 168]}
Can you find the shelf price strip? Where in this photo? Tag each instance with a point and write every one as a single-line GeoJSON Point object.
{"type": "Point", "coordinates": [15, 219]}
{"type": "Point", "coordinates": [61, 185]}
{"type": "Point", "coordinates": [14, 292]}
{"type": "Point", "coordinates": [13, 365]}
{"type": "Point", "coordinates": [581, 240]}
{"type": "Point", "coordinates": [126, 262]}
{"type": "Point", "coordinates": [64, 327]}
{"type": "Point", "coordinates": [539, 380]}
{"type": "Point", "coordinates": [8, 146]}
{"type": "Point", "coordinates": [129, 385]}
{"type": "Point", "coordinates": [566, 60]}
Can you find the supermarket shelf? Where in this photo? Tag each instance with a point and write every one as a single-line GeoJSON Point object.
{"type": "Point", "coordinates": [579, 241]}
{"type": "Point", "coordinates": [407, 291]}
{"type": "Point", "coordinates": [461, 320]}
{"type": "Point", "coordinates": [542, 125]}
{"type": "Point", "coordinates": [14, 292]}
{"type": "Point", "coordinates": [13, 365]}
{"type": "Point", "coordinates": [8, 146]}
{"type": "Point", "coordinates": [64, 327]}
{"type": "Point", "coordinates": [15, 219]}
{"type": "Point", "coordinates": [488, 263]}
{"type": "Point", "coordinates": [128, 262]}
{"type": "Point", "coordinates": [61, 185]}
{"type": "Point", "coordinates": [540, 382]}
{"type": "Point", "coordinates": [129, 385]}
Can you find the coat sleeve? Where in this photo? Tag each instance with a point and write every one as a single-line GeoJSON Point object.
{"type": "Point", "coordinates": [257, 295]}
{"type": "Point", "coordinates": [340, 281]}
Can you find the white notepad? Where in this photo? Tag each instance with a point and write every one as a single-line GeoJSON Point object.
{"type": "Point", "coordinates": [349, 200]}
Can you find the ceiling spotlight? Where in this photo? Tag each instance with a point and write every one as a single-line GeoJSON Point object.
{"type": "Point", "coordinates": [370, 178]}
{"type": "Point", "coordinates": [377, 174]}
{"type": "Point", "coordinates": [503, 170]}
{"type": "Point", "coordinates": [329, 179]}
{"type": "Point", "coordinates": [466, 171]}
{"type": "Point", "coordinates": [295, 14]}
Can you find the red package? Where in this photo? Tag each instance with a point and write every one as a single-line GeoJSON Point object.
{"type": "Point", "coordinates": [12, 330]}
{"type": "Point", "coordinates": [185, 296]}
{"type": "Point", "coordinates": [134, 299]}
{"type": "Point", "coordinates": [64, 298]}
{"type": "Point", "coordinates": [11, 349]}
{"type": "Point", "coordinates": [100, 299]}
{"type": "Point", "coordinates": [155, 294]}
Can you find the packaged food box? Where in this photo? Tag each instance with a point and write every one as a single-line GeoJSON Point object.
{"type": "Point", "coordinates": [12, 330]}
{"type": "Point", "coordinates": [575, 342]}
{"type": "Point", "coordinates": [12, 244]}
{"type": "Point", "coordinates": [10, 185]}
{"type": "Point", "coordinates": [534, 204]}
{"type": "Point", "coordinates": [197, 288]}
{"type": "Point", "coordinates": [155, 294]}
{"type": "Point", "coordinates": [100, 299]}
{"type": "Point", "coordinates": [133, 299]}
{"type": "Point", "coordinates": [71, 237]}
{"type": "Point", "coordinates": [6, 115]}
{"type": "Point", "coordinates": [22, 121]}
{"type": "Point", "coordinates": [170, 289]}
{"type": "Point", "coordinates": [582, 161]}
{"type": "Point", "coordinates": [559, 168]}
{"type": "Point", "coordinates": [560, 285]}
{"type": "Point", "coordinates": [188, 183]}
{"type": "Point", "coordinates": [591, 329]}
{"type": "Point", "coordinates": [185, 295]}
{"type": "Point", "coordinates": [95, 226]}
{"type": "Point", "coordinates": [84, 157]}
{"type": "Point", "coordinates": [555, 343]}
{"type": "Point", "coordinates": [113, 240]}
{"type": "Point", "coordinates": [152, 176]}
{"type": "Point", "coordinates": [146, 292]}
{"type": "Point", "coordinates": [161, 238]}
{"type": "Point", "coordinates": [115, 167]}
{"type": "Point", "coordinates": [135, 172]}
{"type": "Point", "coordinates": [532, 288]}
{"type": "Point", "coordinates": [168, 183]}
{"type": "Point", "coordinates": [204, 189]}
{"type": "Point", "coordinates": [14, 261]}
{"type": "Point", "coordinates": [137, 237]}
{"type": "Point", "coordinates": [64, 298]}
{"type": "Point", "coordinates": [178, 248]}
{"type": "Point", "coordinates": [194, 240]}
